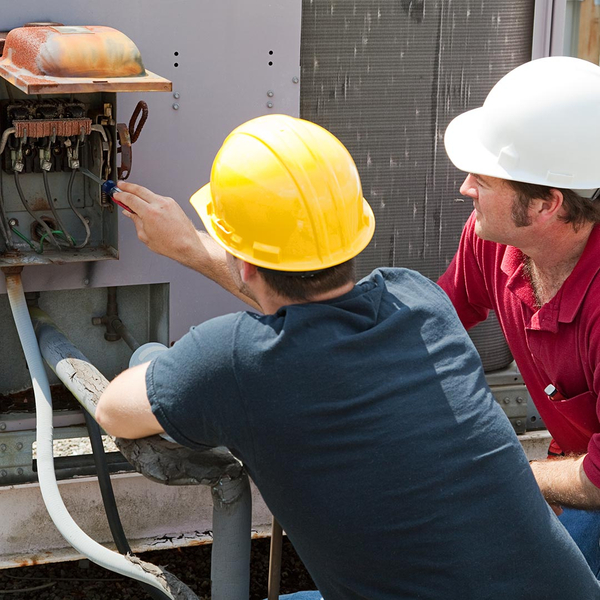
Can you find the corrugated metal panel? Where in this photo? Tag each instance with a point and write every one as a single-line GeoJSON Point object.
{"type": "Point", "coordinates": [386, 77]}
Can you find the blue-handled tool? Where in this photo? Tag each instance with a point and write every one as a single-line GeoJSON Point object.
{"type": "Point", "coordinates": [108, 186]}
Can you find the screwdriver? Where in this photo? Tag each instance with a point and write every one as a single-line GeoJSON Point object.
{"type": "Point", "coordinates": [109, 187]}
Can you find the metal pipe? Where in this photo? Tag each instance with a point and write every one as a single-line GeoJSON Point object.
{"type": "Point", "coordinates": [275, 560]}
{"type": "Point", "coordinates": [47, 479]}
{"type": "Point", "coordinates": [232, 516]}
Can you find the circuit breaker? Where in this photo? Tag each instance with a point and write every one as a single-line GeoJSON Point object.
{"type": "Point", "coordinates": [58, 106]}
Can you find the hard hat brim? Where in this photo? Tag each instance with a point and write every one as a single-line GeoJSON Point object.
{"type": "Point", "coordinates": [465, 149]}
{"type": "Point", "coordinates": [203, 198]}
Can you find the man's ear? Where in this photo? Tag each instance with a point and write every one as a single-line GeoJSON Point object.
{"type": "Point", "coordinates": [248, 271]}
{"type": "Point", "coordinates": [549, 208]}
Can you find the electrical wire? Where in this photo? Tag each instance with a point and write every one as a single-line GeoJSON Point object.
{"type": "Point", "coordinates": [55, 214]}
{"type": "Point", "coordinates": [31, 589]}
{"type": "Point", "coordinates": [108, 498]}
{"type": "Point", "coordinates": [41, 222]}
{"type": "Point", "coordinates": [88, 233]}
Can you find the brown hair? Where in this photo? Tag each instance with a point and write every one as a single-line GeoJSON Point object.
{"type": "Point", "coordinates": [303, 288]}
{"type": "Point", "coordinates": [578, 210]}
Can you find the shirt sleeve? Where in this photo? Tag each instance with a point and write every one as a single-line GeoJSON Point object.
{"type": "Point", "coordinates": [192, 387]}
{"type": "Point", "coordinates": [591, 463]}
{"type": "Point", "coordinates": [464, 282]}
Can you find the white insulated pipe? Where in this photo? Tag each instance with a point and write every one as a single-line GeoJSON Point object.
{"type": "Point", "coordinates": [47, 479]}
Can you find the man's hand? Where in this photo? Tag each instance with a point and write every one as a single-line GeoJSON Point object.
{"type": "Point", "coordinates": [159, 221]}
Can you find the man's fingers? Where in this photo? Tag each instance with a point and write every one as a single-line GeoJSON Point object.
{"type": "Point", "coordinates": [138, 191]}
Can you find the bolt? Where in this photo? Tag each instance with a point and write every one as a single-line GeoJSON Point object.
{"type": "Point", "coordinates": [19, 471]}
{"type": "Point", "coordinates": [506, 400]}
{"type": "Point", "coordinates": [86, 282]}
{"type": "Point", "coordinates": [520, 400]}
{"type": "Point", "coordinates": [13, 222]}
{"type": "Point", "coordinates": [176, 96]}
{"type": "Point", "coordinates": [295, 80]}
{"type": "Point", "coordinates": [269, 105]}
{"type": "Point", "coordinates": [19, 445]}
{"type": "Point", "coordinates": [175, 106]}
{"type": "Point", "coordinates": [518, 423]}
{"type": "Point", "coordinates": [2, 426]}
{"type": "Point", "coordinates": [3, 447]}
{"type": "Point", "coordinates": [270, 93]}
{"type": "Point", "coordinates": [3, 473]}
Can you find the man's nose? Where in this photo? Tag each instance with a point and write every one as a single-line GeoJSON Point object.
{"type": "Point", "coordinates": [469, 186]}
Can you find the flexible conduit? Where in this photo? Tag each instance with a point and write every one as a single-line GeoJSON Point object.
{"type": "Point", "coordinates": [45, 460]}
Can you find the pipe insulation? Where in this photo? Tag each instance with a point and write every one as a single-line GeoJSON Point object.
{"type": "Point", "coordinates": [127, 566]}
{"type": "Point", "coordinates": [171, 464]}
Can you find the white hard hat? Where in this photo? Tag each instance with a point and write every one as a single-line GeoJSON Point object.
{"type": "Point", "coordinates": [539, 124]}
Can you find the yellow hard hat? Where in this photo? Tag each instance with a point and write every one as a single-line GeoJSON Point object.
{"type": "Point", "coordinates": [285, 194]}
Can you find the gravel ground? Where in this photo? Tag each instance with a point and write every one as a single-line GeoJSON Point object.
{"type": "Point", "coordinates": [78, 580]}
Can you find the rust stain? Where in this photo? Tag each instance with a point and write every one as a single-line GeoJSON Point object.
{"type": "Point", "coordinates": [38, 204]}
{"type": "Point", "coordinates": [92, 51]}
{"type": "Point", "coordinates": [75, 59]}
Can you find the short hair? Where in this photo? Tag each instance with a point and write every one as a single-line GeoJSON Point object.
{"type": "Point", "coordinates": [579, 210]}
{"type": "Point", "coordinates": [304, 288]}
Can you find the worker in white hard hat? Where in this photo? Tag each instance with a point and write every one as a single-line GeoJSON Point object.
{"type": "Point", "coordinates": [360, 411]}
{"type": "Point", "coordinates": [530, 251]}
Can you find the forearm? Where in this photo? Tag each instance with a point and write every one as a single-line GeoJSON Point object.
{"type": "Point", "coordinates": [564, 482]}
{"type": "Point", "coordinates": [208, 258]}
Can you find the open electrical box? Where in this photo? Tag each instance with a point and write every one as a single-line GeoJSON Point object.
{"type": "Point", "coordinates": [58, 97]}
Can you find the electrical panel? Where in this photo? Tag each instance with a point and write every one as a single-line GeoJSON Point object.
{"type": "Point", "coordinates": [58, 119]}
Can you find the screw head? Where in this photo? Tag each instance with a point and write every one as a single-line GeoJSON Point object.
{"type": "Point", "coordinates": [86, 282]}
{"type": "Point", "coordinates": [19, 445]}
{"type": "Point", "coordinates": [175, 106]}
{"type": "Point", "coordinates": [2, 426]}
{"type": "Point", "coordinates": [269, 105]}
{"type": "Point", "coordinates": [176, 95]}
{"type": "Point", "coordinates": [2, 447]}
{"type": "Point", "coordinates": [295, 80]}
{"type": "Point", "coordinates": [13, 222]}
{"type": "Point", "coordinates": [3, 473]}
{"type": "Point", "coordinates": [520, 400]}
{"type": "Point", "coordinates": [19, 471]}
{"type": "Point", "coordinates": [270, 93]}
{"type": "Point", "coordinates": [506, 400]}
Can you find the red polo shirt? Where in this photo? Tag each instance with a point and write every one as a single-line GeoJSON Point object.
{"type": "Point", "coordinates": [558, 343]}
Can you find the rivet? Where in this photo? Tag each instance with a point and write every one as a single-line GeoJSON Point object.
{"type": "Point", "coordinates": [19, 445]}
{"type": "Point", "coordinates": [3, 473]}
{"type": "Point", "coordinates": [2, 426]}
{"type": "Point", "coordinates": [270, 93]}
{"type": "Point", "coordinates": [295, 80]}
{"type": "Point", "coordinates": [518, 423]}
{"type": "Point", "coordinates": [19, 471]}
{"type": "Point", "coordinates": [506, 400]}
{"type": "Point", "coordinates": [86, 282]}
{"type": "Point", "coordinates": [176, 95]}
{"type": "Point", "coordinates": [3, 447]}
{"type": "Point", "coordinates": [175, 106]}
{"type": "Point", "coordinates": [269, 105]}
{"type": "Point", "coordinates": [520, 400]}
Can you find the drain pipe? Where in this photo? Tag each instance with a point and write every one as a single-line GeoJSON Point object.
{"type": "Point", "coordinates": [46, 476]}
{"type": "Point", "coordinates": [169, 463]}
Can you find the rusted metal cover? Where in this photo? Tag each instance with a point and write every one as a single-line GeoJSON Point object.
{"type": "Point", "coordinates": [58, 59]}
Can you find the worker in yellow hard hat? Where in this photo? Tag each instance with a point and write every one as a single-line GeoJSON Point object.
{"type": "Point", "coordinates": [360, 410]}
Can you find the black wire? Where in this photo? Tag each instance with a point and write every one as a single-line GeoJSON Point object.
{"type": "Point", "coordinates": [108, 499]}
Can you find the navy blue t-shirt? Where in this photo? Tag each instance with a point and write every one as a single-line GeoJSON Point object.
{"type": "Point", "coordinates": [368, 427]}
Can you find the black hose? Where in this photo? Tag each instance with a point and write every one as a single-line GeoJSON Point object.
{"type": "Point", "coordinates": [108, 499]}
